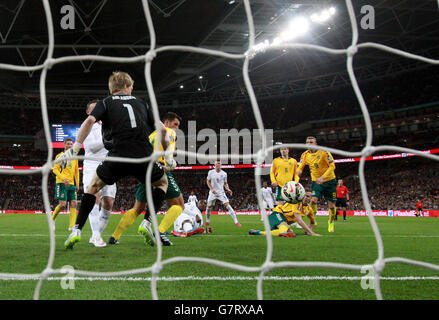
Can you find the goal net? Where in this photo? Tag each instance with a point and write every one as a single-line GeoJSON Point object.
{"type": "Point", "coordinates": [377, 266]}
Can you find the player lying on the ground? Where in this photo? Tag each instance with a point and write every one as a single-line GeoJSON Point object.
{"type": "Point", "coordinates": [284, 215]}
{"type": "Point", "coordinates": [190, 220]}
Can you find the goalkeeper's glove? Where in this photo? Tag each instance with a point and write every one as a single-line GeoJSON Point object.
{"type": "Point", "coordinates": [170, 163]}
{"type": "Point", "coordinates": [69, 154]}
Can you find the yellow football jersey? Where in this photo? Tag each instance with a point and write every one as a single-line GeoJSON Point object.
{"type": "Point", "coordinates": [70, 172]}
{"type": "Point", "coordinates": [283, 170]}
{"type": "Point", "coordinates": [172, 139]}
{"type": "Point", "coordinates": [289, 209]}
{"type": "Point", "coordinates": [321, 164]}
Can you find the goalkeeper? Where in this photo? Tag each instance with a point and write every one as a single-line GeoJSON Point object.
{"type": "Point", "coordinates": [284, 215]}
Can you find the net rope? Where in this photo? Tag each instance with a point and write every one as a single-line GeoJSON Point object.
{"type": "Point", "coordinates": [377, 266]}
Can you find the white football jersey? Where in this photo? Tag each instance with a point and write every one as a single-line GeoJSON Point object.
{"type": "Point", "coordinates": [94, 146]}
{"type": "Point", "coordinates": [190, 212]}
{"type": "Point", "coordinates": [267, 194]}
{"type": "Point", "coordinates": [192, 198]}
{"type": "Point", "coordinates": [217, 180]}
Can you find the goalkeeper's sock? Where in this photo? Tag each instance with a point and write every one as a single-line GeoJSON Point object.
{"type": "Point", "coordinates": [232, 213]}
{"type": "Point", "coordinates": [72, 217]}
{"type": "Point", "coordinates": [158, 195]}
{"type": "Point", "coordinates": [170, 217]}
{"type": "Point", "coordinates": [56, 212]}
{"type": "Point", "coordinates": [332, 214]}
{"type": "Point", "coordinates": [127, 220]}
{"type": "Point", "coordinates": [87, 202]}
{"type": "Point", "coordinates": [104, 216]}
{"type": "Point", "coordinates": [94, 221]}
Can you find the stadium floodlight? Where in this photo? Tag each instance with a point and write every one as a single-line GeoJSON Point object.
{"type": "Point", "coordinates": [200, 77]}
{"type": "Point", "coordinates": [299, 26]}
{"type": "Point", "coordinates": [332, 11]}
{"type": "Point", "coordinates": [181, 86]}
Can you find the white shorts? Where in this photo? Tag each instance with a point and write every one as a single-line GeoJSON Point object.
{"type": "Point", "coordinates": [268, 204]}
{"type": "Point", "coordinates": [211, 199]}
{"type": "Point", "coordinates": [107, 191]}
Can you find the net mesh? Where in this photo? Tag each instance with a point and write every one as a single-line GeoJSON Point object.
{"type": "Point", "coordinates": [377, 266]}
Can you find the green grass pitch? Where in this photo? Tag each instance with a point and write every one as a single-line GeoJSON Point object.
{"type": "Point", "coordinates": [24, 248]}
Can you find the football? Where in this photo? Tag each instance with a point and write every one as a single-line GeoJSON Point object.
{"type": "Point", "coordinates": [293, 192]}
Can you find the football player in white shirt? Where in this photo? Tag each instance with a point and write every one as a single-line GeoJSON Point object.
{"type": "Point", "coordinates": [94, 147]}
{"type": "Point", "coordinates": [189, 222]}
{"type": "Point", "coordinates": [268, 198]}
{"type": "Point", "coordinates": [217, 182]}
{"type": "Point", "coordinates": [192, 198]}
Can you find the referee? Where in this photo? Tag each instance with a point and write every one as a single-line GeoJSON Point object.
{"type": "Point", "coordinates": [342, 198]}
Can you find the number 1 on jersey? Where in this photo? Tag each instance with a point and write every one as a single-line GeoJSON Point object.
{"type": "Point", "coordinates": [131, 115]}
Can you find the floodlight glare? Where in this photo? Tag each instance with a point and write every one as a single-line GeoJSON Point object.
{"type": "Point", "coordinates": [299, 26]}
{"type": "Point", "coordinates": [332, 10]}
{"type": "Point", "coordinates": [324, 15]}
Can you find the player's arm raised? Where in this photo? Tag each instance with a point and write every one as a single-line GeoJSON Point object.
{"type": "Point", "coordinates": [77, 176]}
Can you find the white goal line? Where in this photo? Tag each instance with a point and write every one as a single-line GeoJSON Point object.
{"type": "Point", "coordinates": [237, 278]}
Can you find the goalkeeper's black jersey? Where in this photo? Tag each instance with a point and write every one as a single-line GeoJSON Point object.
{"type": "Point", "coordinates": [128, 121]}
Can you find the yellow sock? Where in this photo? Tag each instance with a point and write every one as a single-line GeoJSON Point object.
{"type": "Point", "coordinates": [170, 217]}
{"type": "Point", "coordinates": [127, 219]}
{"type": "Point", "coordinates": [72, 217]}
{"type": "Point", "coordinates": [282, 229]}
{"type": "Point", "coordinates": [313, 207]}
{"type": "Point", "coordinates": [55, 212]}
{"type": "Point", "coordinates": [332, 213]}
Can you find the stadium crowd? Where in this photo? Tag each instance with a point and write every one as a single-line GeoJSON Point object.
{"type": "Point", "coordinates": [387, 188]}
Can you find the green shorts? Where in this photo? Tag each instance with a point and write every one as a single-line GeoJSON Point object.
{"type": "Point", "coordinates": [277, 194]}
{"type": "Point", "coordinates": [327, 189]}
{"type": "Point", "coordinates": [275, 219]}
{"type": "Point", "coordinates": [172, 192]}
{"type": "Point", "coordinates": [64, 193]}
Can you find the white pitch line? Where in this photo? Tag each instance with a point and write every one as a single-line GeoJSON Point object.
{"type": "Point", "coordinates": [193, 278]}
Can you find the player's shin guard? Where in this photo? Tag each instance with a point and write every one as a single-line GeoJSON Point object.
{"type": "Point", "coordinates": [332, 214]}
{"type": "Point", "coordinates": [72, 217]}
{"type": "Point", "coordinates": [208, 215]}
{"type": "Point", "coordinates": [232, 213]}
{"type": "Point", "coordinates": [127, 220]}
{"type": "Point", "coordinates": [94, 221]}
{"type": "Point", "coordinates": [169, 218]}
{"type": "Point", "coordinates": [158, 195]}
{"type": "Point", "coordinates": [104, 216]}
{"type": "Point", "coordinates": [56, 212]}
{"type": "Point", "coordinates": [344, 214]}
{"type": "Point", "coordinates": [87, 202]}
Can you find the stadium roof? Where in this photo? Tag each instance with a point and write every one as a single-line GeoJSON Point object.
{"type": "Point", "coordinates": [118, 28]}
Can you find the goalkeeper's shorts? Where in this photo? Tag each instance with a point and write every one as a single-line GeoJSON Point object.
{"type": "Point", "coordinates": [111, 172]}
